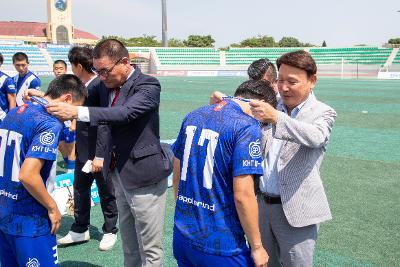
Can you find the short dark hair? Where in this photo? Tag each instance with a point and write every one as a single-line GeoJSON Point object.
{"type": "Point", "coordinates": [67, 83]}
{"type": "Point", "coordinates": [258, 68]}
{"type": "Point", "coordinates": [111, 48]}
{"type": "Point", "coordinates": [60, 61]}
{"type": "Point", "coordinates": [81, 55]}
{"type": "Point", "coordinates": [257, 89]}
{"type": "Point", "coordinates": [1, 59]}
{"type": "Point", "coordinates": [19, 56]}
{"type": "Point", "coordinates": [299, 59]}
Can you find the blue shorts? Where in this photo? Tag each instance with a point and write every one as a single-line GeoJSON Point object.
{"type": "Point", "coordinates": [187, 256]}
{"type": "Point", "coordinates": [67, 136]}
{"type": "Point", "coordinates": [28, 251]}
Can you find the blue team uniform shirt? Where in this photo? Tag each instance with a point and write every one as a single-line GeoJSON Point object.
{"type": "Point", "coordinates": [26, 132]}
{"type": "Point", "coordinates": [7, 86]}
{"type": "Point", "coordinates": [29, 80]}
{"type": "Point", "coordinates": [215, 144]}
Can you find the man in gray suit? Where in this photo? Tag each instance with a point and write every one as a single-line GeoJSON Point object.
{"type": "Point", "coordinates": [292, 201]}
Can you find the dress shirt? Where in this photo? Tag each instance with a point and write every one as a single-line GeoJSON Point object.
{"type": "Point", "coordinates": [269, 182]}
{"type": "Point", "coordinates": [83, 112]}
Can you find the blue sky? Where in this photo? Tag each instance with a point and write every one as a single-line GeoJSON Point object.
{"type": "Point", "coordinates": [340, 22]}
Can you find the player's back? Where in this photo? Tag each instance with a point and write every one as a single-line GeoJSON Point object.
{"type": "Point", "coordinates": [214, 145]}
{"type": "Point", "coordinates": [27, 131]}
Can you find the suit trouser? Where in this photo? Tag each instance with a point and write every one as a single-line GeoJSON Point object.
{"type": "Point", "coordinates": [141, 221]}
{"type": "Point", "coordinates": [286, 245]}
{"type": "Point", "coordinates": [82, 200]}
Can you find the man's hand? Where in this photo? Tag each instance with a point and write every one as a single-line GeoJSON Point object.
{"type": "Point", "coordinates": [216, 97]}
{"type": "Point", "coordinates": [55, 219]}
{"type": "Point", "coordinates": [62, 110]}
{"type": "Point", "coordinates": [32, 92]}
{"type": "Point", "coordinates": [259, 256]}
{"type": "Point", "coordinates": [263, 111]}
{"type": "Point", "coordinates": [97, 165]}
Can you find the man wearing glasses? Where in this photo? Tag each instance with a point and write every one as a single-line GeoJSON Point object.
{"type": "Point", "coordinates": [141, 168]}
{"type": "Point", "coordinates": [91, 144]}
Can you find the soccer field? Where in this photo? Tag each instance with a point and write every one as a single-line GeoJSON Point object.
{"type": "Point", "coordinates": [361, 172]}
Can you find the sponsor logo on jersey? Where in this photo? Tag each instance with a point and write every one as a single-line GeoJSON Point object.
{"type": "Point", "coordinates": [255, 149]}
{"type": "Point", "coordinates": [32, 263]}
{"type": "Point", "coordinates": [8, 194]}
{"type": "Point", "coordinates": [189, 200]}
{"type": "Point", "coordinates": [251, 163]}
{"type": "Point", "coordinates": [47, 138]}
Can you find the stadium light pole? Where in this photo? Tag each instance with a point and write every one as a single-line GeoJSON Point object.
{"type": "Point", "coordinates": [164, 23]}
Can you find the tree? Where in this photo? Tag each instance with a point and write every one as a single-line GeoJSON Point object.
{"type": "Point", "coordinates": [289, 42]}
{"type": "Point", "coordinates": [324, 44]}
{"type": "Point", "coordinates": [173, 42]}
{"type": "Point", "coordinates": [394, 41]}
{"type": "Point", "coordinates": [258, 41]}
{"type": "Point", "coordinates": [199, 41]}
{"type": "Point", "coordinates": [143, 41]}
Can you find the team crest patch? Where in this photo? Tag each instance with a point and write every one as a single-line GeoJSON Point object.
{"type": "Point", "coordinates": [220, 105]}
{"type": "Point", "coordinates": [47, 138]}
{"type": "Point", "coordinates": [22, 108]}
{"type": "Point", "coordinates": [255, 149]}
{"type": "Point", "coordinates": [32, 263]}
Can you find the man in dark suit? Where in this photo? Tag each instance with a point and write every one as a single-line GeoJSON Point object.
{"type": "Point", "coordinates": [141, 166]}
{"type": "Point", "coordinates": [91, 144]}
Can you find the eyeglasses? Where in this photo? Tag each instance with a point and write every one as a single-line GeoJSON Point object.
{"type": "Point", "coordinates": [105, 72]}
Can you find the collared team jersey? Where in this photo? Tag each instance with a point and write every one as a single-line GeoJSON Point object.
{"type": "Point", "coordinates": [215, 144]}
{"type": "Point", "coordinates": [29, 81]}
{"type": "Point", "coordinates": [7, 86]}
{"type": "Point", "coordinates": [26, 132]}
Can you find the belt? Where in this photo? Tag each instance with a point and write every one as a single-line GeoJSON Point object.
{"type": "Point", "coordinates": [271, 200]}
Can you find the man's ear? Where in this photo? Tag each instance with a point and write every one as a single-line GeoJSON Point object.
{"type": "Point", "coordinates": [313, 80]}
{"type": "Point", "coordinates": [67, 98]}
{"type": "Point", "coordinates": [126, 61]}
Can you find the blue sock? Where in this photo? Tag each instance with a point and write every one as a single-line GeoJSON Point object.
{"type": "Point", "coordinates": [65, 160]}
{"type": "Point", "coordinates": [70, 164]}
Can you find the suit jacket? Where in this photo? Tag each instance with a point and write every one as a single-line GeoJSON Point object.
{"type": "Point", "coordinates": [305, 138]}
{"type": "Point", "coordinates": [135, 134]}
{"type": "Point", "coordinates": [90, 141]}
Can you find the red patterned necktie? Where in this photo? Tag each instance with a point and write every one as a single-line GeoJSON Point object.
{"type": "Point", "coordinates": [116, 96]}
{"type": "Point", "coordinates": [113, 160]}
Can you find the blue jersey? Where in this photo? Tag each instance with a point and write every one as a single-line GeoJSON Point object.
{"type": "Point", "coordinates": [7, 86]}
{"type": "Point", "coordinates": [215, 144]}
{"type": "Point", "coordinates": [28, 81]}
{"type": "Point", "coordinates": [26, 132]}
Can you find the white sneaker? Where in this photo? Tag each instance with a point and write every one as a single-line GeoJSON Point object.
{"type": "Point", "coordinates": [108, 241]}
{"type": "Point", "coordinates": [73, 237]}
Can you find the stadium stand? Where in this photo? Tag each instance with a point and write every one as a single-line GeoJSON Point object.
{"type": "Point", "coordinates": [35, 56]}
{"type": "Point", "coordinates": [396, 59]}
{"type": "Point", "coordinates": [332, 61]}
{"type": "Point", "coordinates": [138, 49]}
{"type": "Point", "coordinates": [351, 55]}
{"type": "Point", "coordinates": [59, 52]}
{"type": "Point", "coordinates": [244, 56]}
{"type": "Point", "coordinates": [188, 56]}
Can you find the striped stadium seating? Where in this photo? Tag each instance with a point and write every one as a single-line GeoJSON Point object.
{"type": "Point", "coordinates": [396, 59]}
{"type": "Point", "coordinates": [188, 56]}
{"type": "Point", "coordinates": [59, 52]}
{"type": "Point", "coordinates": [351, 55]}
{"type": "Point", "coordinates": [245, 56]}
{"type": "Point", "coordinates": [35, 56]}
